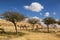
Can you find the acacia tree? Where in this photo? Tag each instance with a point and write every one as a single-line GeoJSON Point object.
{"type": "Point", "coordinates": [33, 21]}
{"type": "Point", "coordinates": [13, 17]}
{"type": "Point", "coordinates": [48, 21]}
{"type": "Point", "coordinates": [58, 22]}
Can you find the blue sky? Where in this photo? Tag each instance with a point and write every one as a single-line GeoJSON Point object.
{"type": "Point", "coordinates": [50, 7]}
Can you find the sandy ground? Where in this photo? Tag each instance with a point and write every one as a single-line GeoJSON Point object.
{"type": "Point", "coordinates": [29, 35]}
{"type": "Point", "coordinates": [38, 36]}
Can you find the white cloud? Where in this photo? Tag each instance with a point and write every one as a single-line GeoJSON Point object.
{"type": "Point", "coordinates": [57, 19]}
{"type": "Point", "coordinates": [47, 14]}
{"type": "Point", "coordinates": [35, 6]}
{"type": "Point", "coordinates": [44, 25]}
{"type": "Point", "coordinates": [27, 7]}
{"type": "Point", "coordinates": [58, 26]}
{"type": "Point", "coordinates": [54, 13]}
{"type": "Point", "coordinates": [15, 8]}
{"type": "Point", "coordinates": [36, 17]}
{"type": "Point", "coordinates": [40, 13]}
{"type": "Point", "coordinates": [26, 19]}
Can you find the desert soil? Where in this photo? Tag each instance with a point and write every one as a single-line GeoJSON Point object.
{"type": "Point", "coordinates": [38, 36]}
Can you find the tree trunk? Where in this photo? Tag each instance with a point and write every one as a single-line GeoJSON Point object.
{"type": "Point", "coordinates": [15, 27]}
{"type": "Point", "coordinates": [33, 27]}
{"type": "Point", "coordinates": [48, 28]}
{"type": "Point", "coordinates": [36, 28]}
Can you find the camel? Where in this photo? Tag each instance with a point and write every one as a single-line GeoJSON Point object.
{"type": "Point", "coordinates": [22, 26]}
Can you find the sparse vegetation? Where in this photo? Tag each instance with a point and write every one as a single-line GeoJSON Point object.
{"type": "Point", "coordinates": [58, 22]}
{"type": "Point", "coordinates": [33, 21]}
{"type": "Point", "coordinates": [13, 17]}
{"type": "Point", "coordinates": [48, 21]}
